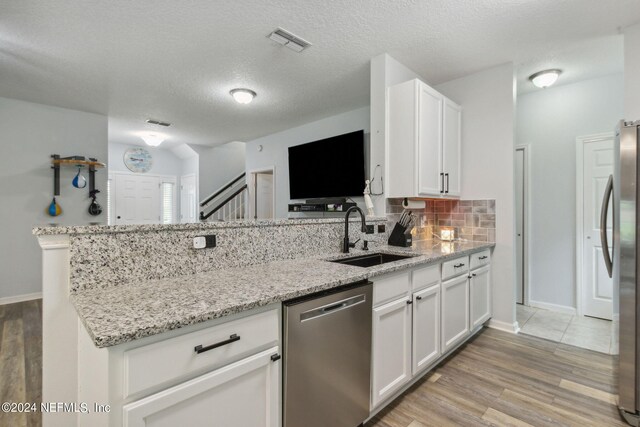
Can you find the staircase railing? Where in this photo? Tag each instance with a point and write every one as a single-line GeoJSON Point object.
{"type": "Point", "coordinates": [227, 203]}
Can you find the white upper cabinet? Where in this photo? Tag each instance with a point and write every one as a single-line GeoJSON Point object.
{"type": "Point", "coordinates": [423, 142]}
{"type": "Point", "coordinates": [452, 119]}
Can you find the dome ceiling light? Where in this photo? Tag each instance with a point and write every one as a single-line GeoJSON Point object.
{"type": "Point", "coordinates": [242, 95]}
{"type": "Point", "coordinates": [545, 78]}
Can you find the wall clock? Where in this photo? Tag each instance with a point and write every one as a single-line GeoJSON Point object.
{"type": "Point", "coordinates": [138, 160]}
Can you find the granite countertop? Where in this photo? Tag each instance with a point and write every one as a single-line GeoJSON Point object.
{"type": "Point", "coordinates": [51, 229]}
{"type": "Point", "coordinates": [119, 314]}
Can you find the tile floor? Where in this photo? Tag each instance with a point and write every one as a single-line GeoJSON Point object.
{"type": "Point", "coordinates": [585, 332]}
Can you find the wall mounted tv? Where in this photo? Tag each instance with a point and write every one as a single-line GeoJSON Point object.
{"type": "Point", "coordinates": [331, 167]}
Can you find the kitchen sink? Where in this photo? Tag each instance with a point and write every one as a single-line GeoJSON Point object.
{"type": "Point", "coordinates": [371, 260]}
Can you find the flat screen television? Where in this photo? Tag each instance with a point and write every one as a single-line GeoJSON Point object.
{"type": "Point", "coordinates": [331, 167]}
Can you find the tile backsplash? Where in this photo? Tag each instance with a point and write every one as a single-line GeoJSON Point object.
{"type": "Point", "coordinates": [472, 219]}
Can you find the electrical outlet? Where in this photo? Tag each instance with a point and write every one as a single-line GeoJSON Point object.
{"type": "Point", "coordinates": [202, 242]}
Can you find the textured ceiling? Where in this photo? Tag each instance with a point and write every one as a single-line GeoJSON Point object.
{"type": "Point", "coordinates": [176, 61]}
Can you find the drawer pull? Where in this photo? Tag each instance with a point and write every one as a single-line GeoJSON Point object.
{"type": "Point", "coordinates": [275, 357]}
{"type": "Point", "coordinates": [418, 298]}
{"type": "Point", "coordinates": [233, 338]}
{"type": "Point", "coordinates": [459, 265]}
{"type": "Point", "coordinates": [483, 257]}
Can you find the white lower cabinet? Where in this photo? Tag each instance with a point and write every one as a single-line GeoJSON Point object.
{"type": "Point", "coordinates": [480, 290]}
{"type": "Point", "coordinates": [426, 327]}
{"type": "Point", "coordinates": [244, 393]}
{"type": "Point", "coordinates": [455, 311]}
{"type": "Point", "coordinates": [391, 356]}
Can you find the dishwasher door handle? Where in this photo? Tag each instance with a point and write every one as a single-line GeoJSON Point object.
{"type": "Point", "coordinates": [332, 308]}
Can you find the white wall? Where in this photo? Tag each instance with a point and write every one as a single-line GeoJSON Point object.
{"type": "Point", "coordinates": [549, 121]}
{"type": "Point", "coordinates": [219, 165]}
{"type": "Point", "coordinates": [274, 149]}
{"type": "Point", "coordinates": [385, 72]}
{"type": "Point", "coordinates": [488, 114]}
{"type": "Point", "coordinates": [30, 133]}
{"type": "Point", "coordinates": [164, 161]}
{"type": "Point", "coordinates": [632, 72]}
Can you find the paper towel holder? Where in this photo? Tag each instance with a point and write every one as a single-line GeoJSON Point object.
{"type": "Point", "coordinates": [413, 204]}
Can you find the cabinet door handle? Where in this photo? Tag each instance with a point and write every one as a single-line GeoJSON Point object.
{"type": "Point", "coordinates": [418, 298]}
{"type": "Point", "coordinates": [441, 183]}
{"type": "Point", "coordinates": [473, 274]}
{"type": "Point", "coordinates": [483, 257]}
{"type": "Point", "coordinates": [458, 265]}
{"type": "Point", "coordinates": [200, 349]}
{"type": "Point", "coordinates": [409, 302]}
{"type": "Point", "coordinates": [446, 175]}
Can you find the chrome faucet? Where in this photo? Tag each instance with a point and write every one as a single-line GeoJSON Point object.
{"type": "Point", "coordinates": [346, 244]}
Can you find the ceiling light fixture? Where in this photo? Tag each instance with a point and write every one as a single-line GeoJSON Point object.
{"type": "Point", "coordinates": [152, 139]}
{"type": "Point", "coordinates": [545, 78]}
{"type": "Point", "coordinates": [243, 96]}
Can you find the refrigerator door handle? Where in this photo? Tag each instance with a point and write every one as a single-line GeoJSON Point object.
{"type": "Point", "coordinates": [603, 226]}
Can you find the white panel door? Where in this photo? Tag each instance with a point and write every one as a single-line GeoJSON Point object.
{"type": "Point", "coordinates": [480, 291]}
{"type": "Point", "coordinates": [391, 358]}
{"type": "Point", "coordinates": [245, 393]}
{"type": "Point", "coordinates": [188, 199]}
{"type": "Point", "coordinates": [451, 140]}
{"type": "Point", "coordinates": [520, 200]}
{"type": "Point", "coordinates": [429, 141]}
{"type": "Point", "coordinates": [455, 311]}
{"type": "Point", "coordinates": [597, 286]}
{"type": "Point", "coordinates": [264, 195]}
{"type": "Point", "coordinates": [426, 327]}
{"type": "Point", "coordinates": [137, 199]}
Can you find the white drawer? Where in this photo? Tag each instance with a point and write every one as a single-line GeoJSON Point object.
{"type": "Point", "coordinates": [479, 259]}
{"type": "Point", "coordinates": [455, 267]}
{"type": "Point", "coordinates": [425, 276]}
{"type": "Point", "coordinates": [169, 360]}
{"type": "Point", "coordinates": [390, 286]}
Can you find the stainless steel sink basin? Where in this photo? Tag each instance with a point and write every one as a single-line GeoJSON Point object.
{"type": "Point", "coordinates": [370, 260]}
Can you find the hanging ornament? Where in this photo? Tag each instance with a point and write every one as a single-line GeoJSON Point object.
{"type": "Point", "coordinates": [94, 208]}
{"type": "Point", "coordinates": [79, 181]}
{"type": "Point", "coordinates": [54, 208]}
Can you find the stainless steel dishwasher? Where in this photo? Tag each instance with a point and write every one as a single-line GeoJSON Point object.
{"type": "Point", "coordinates": [327, 358]}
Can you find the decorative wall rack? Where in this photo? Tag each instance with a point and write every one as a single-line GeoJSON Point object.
{"type": "Point", "coordinates": [74, 161]}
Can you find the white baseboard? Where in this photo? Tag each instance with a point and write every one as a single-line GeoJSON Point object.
{"type": "Point", "coordinates": [20, 298]}
{"type": "Point", "coordinates": [513, 328]}
{"type": "Point", "coordinates": [553, 307]}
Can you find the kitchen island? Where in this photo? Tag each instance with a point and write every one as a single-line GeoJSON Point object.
{"type": "Point", "coordinates": [120, 342]}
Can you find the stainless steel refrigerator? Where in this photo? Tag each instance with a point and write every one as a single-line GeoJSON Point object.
{"type": "Point", "coordinates": [623, 263]}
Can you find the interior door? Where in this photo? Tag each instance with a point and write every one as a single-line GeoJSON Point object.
{"type": "Point", "coordinates": [451, 140]}
{"type": "Point", "coordinates": [264, 195]}
{"type": "Point", "coordinates": [520, 212]}
{"type": "Point", "coordinates": [188, 199]}
{"type": "Point", "coordinates": [137, 199]}
{"type": "Point", "coordinates": [597, 286]}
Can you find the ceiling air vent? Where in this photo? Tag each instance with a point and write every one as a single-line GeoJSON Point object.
{"type": "Point", "coordinates": [285, 38]}
{"type": "Point", "coordinates": [155, 122]}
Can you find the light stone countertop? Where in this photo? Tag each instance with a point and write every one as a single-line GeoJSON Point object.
{"type": "Point", "coordinates": [52, 229]}
{"type": "Point", "coordinates": [119, 314]}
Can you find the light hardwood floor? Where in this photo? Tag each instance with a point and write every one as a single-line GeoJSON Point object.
{"type": "Point", "coordinates": [497, 379]}
{"type": "Point", "coordinates": [21, 360]}
{"type": "Point", "coordinates": [510, 380]}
